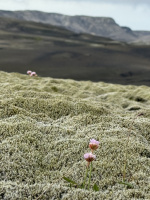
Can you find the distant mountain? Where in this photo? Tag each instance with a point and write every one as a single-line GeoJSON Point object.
{"type": "Point", "coordinates": [100, 26]}
{"type": "Point", "coordinates": [59, 53]}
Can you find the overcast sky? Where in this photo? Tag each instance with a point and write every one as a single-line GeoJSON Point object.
{"type": "Point", "coordinates": [132, 13]}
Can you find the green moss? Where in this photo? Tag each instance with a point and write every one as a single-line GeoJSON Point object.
{"type": "Point", "coordinates": [45, 127]}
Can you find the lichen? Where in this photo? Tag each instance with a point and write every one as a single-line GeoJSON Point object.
{"type": "Point", "coordinates": [45, 128]}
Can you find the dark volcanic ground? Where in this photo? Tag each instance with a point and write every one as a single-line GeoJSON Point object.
{"type": "Point", "coordinates": [59, 53]}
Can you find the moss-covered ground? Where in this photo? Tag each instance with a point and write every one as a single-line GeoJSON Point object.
{"type": "Point", "coordinates": [45, 128]}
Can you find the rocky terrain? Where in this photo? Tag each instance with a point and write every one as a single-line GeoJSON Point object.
{"type": "Point", "coordinates": [46, 125]}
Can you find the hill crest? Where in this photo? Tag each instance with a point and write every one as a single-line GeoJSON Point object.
{"type": "Point", "coordinates": [100, 26]}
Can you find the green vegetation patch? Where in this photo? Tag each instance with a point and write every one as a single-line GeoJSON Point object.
{"type": "Point", "coordinates": [45, 128]}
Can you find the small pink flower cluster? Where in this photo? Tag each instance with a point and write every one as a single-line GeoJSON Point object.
{"type": "Point", "coordinates": [30, 73]}
{"type": "Point", "coordinates": [93, 145]}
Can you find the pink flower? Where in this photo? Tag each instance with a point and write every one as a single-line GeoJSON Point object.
{"type": "Point", "coordinates": [29, 72]}
{"type": "Point", "coordinates": [93, 144]}
{"type": "Point", "coordinates": [33, 74]}
{"type": "Point", "coordinates": [89, 157]}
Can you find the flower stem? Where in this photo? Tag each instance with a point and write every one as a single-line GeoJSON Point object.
{"type": "Point", "coordinates": [85, 177]}
{"type": "Point", "coordinates": [124, 173]}
{"type": "Point", "coordinates": [90, 176]}
{"type": "Point", "coordinates": [126, 160]}
{"type": "Point", "coordinates": [127, 145]}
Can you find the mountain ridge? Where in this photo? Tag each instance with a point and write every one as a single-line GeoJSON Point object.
{"type": "Point", "coordinates": [100, 26]}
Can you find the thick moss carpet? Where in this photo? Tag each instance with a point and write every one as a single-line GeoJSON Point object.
{"type": "Point", "coordinates": [45, 128]}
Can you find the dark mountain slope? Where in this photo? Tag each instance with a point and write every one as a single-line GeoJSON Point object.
{"type": "Point", "coordinates": [59, 53]}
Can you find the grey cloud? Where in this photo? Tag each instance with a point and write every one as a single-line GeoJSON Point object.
{"type": "Point", "coordinates": [121, 2]}
{"type": "Point", "coordinates": [128, 2]}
